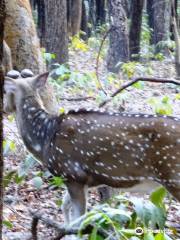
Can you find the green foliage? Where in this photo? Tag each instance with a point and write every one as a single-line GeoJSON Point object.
{"type": "Point", "coordinates": [161, 106]}
{"type": "Point", "coordinates": [8, 146]}
{"type": "Point", "coordinates": [158, 196]}
{"type": "Point", "coordinates": [146, 31]}
{"type": "Point", "coordinates": [62, 72]}
{"type": "Point", "coordinates": [78, 44]}
{"type": "Point", "coordinates": [159, 57]}
{"type": "Point", "coordinates": [12, 176]}
{"type": "Point", "coordinates": [123, 218]}
{"type": "Point", "coordinates": [177, 97]}
{"type": "Point", "coordinates": [8, 224]}
{"type": "Point", "coordinates": [147, 50]}
{"type": "Point", "coordinates": [56, 181]}
{"type": "Point", "coordinates": [167, 44]}
{"type": "Point", "coordinates": [48, 57]}
{"type": "Point", "coordinates": [131, 68]}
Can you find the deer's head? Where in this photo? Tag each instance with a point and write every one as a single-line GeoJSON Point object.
{"type": "Point", "coordinates": [16, 90]}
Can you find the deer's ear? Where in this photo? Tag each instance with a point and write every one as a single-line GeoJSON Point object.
{"type": "Point", "coordinates": [40, 80]}
{"type": "Point", "coordinates": [10, 85]}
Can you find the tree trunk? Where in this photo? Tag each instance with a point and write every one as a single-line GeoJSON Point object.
{"type": "Point", "coordinates": [84, 23]}
{"type": "Point", "coordinates": [56, 40]}
{"type": "Point", "coordinates": [91, 17]}
{"type": "Point", "coordinates": [41, 21]}
{"type": "Point", "coordinates": [150, 12]}
{"type": "Point", "coordinates": [162, 17]}
{"type": "Point", "coordinates": [2, 19]}
{"type": "Point", "coordinates": [118, 46]}
{"type": "Point", "coordinates": [177, 39]}
{"type": "Point", "coordinates": [100, 12]}
{"type": "Point", "coordinates": [7, 59]}
{"type": "Point", "coordinates": [74, 16]}
{"type": "Point", "coordinates": [21, 36]}
{"type": "Point", "coordinates": [135, 28]}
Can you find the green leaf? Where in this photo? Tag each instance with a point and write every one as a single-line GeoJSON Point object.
{"type": "Point", "coordinates": [62, 110]}
{"type": "Point", "coordinates": [177, 97]}
{"type": "Point", "coordinates": [161, 107]}
{"type": "Point", "coordinates": [57, 181]}
{"type": "Point", "coordinates": [49, 56]}
{"type": "Point", "coordinates": [159, 236]}
{"type": "Point", "coordinates": [138, 85]}
{"type": "Point", "coordinates": [93, 235]}
{"type": "Point", "coordinates": [165, 99]}
{"type": "Point", "coordinates": [8, 177]}
{"type": "Point", "coordinates": [157, 197]}
{"type": "Point", "coordinates": [12, 146]}
{"type": "Point", "coordinates": [148, 236]}
{"type": "Point", "coordinates": [59, 202]}
{"type": "Point", "coordinates": [18, 179]}
{"type": "Point", "coordinates": [11, 118]}
{"type": "Point", "coordinates": [8, 146]}
{"type": "Point", "coordinates": [149, 214]}
{"type": "Point", "coordinates": [124, 216]}
{"type": "Point", "coordinates": [134, 238]}
{"type": "Point", "coordinates": [8, 224]}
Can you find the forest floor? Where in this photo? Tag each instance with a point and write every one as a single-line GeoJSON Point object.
{"type": "Point", "coordinates": [19, 198]}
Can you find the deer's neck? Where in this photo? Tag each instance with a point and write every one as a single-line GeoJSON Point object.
{"type": "Point", "coordinates": [36, 126]}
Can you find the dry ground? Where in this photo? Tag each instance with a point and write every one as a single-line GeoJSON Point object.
{"type": "Point", "coordinates": [19, 198]}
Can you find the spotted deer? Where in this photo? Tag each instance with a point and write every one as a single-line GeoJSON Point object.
{"type": "Point", "coordinates": [90, 148]}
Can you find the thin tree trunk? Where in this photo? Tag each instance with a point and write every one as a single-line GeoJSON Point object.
{"type": "Point", "coordinates": [119, 41]}
{"type": "Point", "coordinates": [2, 19]}
{"type": "Point", "coordinates": [135, 28]}
{"type": "Point", "coordinates": [150, 12]}
{"type": "Point", "coordinates": [75, 14]}
{"type": "Point", "coordinates": [177, 39]}
{"type": "Point", "coordinates": [21, 36]}
{"type": "Point", "coordinates": [162, 19]}
{"type": "Point", "coordinates": [91, 17]}
{"type": "Point", "coordinates": [41, 21]}
{"type": "Point", "coordinates": [100, 12]}
{"type": "Point", "coordinates": [56, 40]}
{"type": "Point", "coordinates": [84, 23]}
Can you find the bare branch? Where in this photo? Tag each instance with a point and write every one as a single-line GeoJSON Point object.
{"type": "Point", "coordinates": [77, 99]}
{"type": "Point", "coordinates": [72, 229]}
{"type": "Point", "coordinates": [144, 79]}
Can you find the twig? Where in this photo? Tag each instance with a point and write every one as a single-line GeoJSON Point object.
{"type": "Point", "coordinates": [34, 226]}
{"type": "Point", "coordinates": [144, 79]}
{"type": "Point", "coordinates": [49, 222]}
{"type": "Point", "coordinates": [77, 99]}
{"type": "Point", "coordinates": [73, 229]}
{"type": "Point", "coordinates": [15, 211]}
{"type": "Point", "coordinates": [97, 59]}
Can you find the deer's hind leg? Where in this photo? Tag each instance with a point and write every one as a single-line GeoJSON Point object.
{"type": "Point", "coordinates": [175, 191]}
{"type": "Point", "coordinates": [66, 207]}
{"type": "Point", "coordinates": [78, 195]}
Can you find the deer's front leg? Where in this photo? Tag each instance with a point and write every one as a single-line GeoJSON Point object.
{"type": "Point", "coordinates": [66, 207]}
{"type": "Point", "coordinates": [78, 195]}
